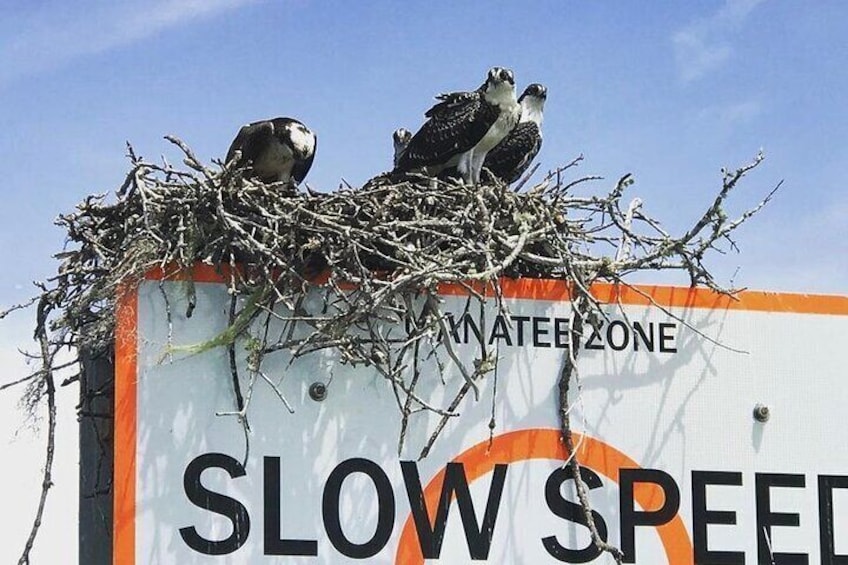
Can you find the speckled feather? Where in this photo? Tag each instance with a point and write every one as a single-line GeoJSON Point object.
{"type": "Point", "coordinates": [512, 157]}
{"type": "Point", "coordinates": [455, 125]}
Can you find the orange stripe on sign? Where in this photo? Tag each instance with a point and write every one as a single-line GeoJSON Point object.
{"type": "Point", "coordinates": [546, 443]}
{"type": "Point", "coordinates": [666, 296]}
{"type": "Point", "coordinates": [559, 290]}
{"type": "Point", "coordinates": [126, 376]}
{"type": "Point", "coordinates": [201, 272]}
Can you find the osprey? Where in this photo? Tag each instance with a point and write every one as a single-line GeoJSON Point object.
{"type": "Point", "coordinates": [400, 139]}
{"type": "Point", "coordinates": [512, 156]}
{"type": "Point", "coordinates": [277, 150]}
{"type": "Point", "coordinates": [463, 127]}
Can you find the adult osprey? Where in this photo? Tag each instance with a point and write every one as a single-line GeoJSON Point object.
{"type": "Point", "coordinates": [512, 156]}
{"type": "Point", "coordinates": [400, 139]}
{"type": "Point", "coordinates": [463, 127]}
{"type": "Point", "coordinates": [278, 150]}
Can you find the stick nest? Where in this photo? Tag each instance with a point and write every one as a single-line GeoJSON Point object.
{"type": "Point", "coordinates": [382, 249]}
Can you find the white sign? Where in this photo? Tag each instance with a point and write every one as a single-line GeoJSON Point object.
{"type": "Point", "coordinates": [678, 468]}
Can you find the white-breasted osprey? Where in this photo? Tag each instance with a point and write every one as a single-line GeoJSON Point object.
{"type": "Point", "coordinates": [463, 127]}
{"type": "Point", "coordinates": [512, 156]}
{"type": "Point", "coordinates": [277, 150]}
{"type": "Point", "coordinates": [400, 139]}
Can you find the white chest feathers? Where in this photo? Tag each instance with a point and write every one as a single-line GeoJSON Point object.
{"type": "Point", "coordinates": [502, 95]}
{"type": "Point", "coordinates": [531, 110]}
{"type": "Point", "coordinates": [507, 120]}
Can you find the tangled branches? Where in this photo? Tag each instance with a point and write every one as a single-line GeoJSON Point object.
{"type": "Point", "coordinates": [377, 255]}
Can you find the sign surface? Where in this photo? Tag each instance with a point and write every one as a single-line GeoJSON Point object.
{"type": "Point", "coordinates": [677, 468]}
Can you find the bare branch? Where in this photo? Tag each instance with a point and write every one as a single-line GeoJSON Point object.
{"type": "Point", "coordinates": [374, 255]}
{"type": "Point", "coordinates": [47, 354]}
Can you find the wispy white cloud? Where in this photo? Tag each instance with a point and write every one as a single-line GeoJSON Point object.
{"type": "Point", "coordinates": [54, 33]}
{"type": "Point", "coordinates": [704, 45]}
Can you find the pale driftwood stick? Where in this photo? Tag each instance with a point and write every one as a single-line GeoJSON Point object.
{"type": "Point", "coordinates": [47, 379]}
{"type": "Point", "coordinates": [568, 374]}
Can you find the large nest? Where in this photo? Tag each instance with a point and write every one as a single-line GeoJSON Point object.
{"type": "Point", "coordinates": [394, 235]}
{"type": "Point", "coordinates": [373, 251]}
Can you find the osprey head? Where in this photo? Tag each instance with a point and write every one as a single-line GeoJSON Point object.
{"type": "Point", "coordinates": [535, 90]}
{"type": "Point", "coordinates": [301, 139]}
{"type": "Point", "coordinates": [400, 138]}
{"type": "Point", "coordinates": [499, 87]}
{"type": "Point", "coordinates": [497, 76]}
{"type": "Point", "coordinates": [532, 102]}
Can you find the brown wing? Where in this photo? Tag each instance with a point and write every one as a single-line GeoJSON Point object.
{"type": "Point", "coordinates": [455, 125]}
{"type": "Point", "coordinates": [250, 140]}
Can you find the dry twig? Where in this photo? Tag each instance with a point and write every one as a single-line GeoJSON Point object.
{"type": "Point", "coordinates": [383, 248]}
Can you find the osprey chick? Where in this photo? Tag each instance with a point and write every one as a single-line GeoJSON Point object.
{"type": "Point", "coordinates": [277, 150]}
{"type": "Point", "coordinates": [512, 156]}
{"type": "Point", "coordinates": [463, 127]}
{"type": "Point", "coordinates": [400, 139]}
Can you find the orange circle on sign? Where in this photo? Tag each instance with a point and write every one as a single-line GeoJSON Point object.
{"type": "Point", "coordinates": [546, 443]}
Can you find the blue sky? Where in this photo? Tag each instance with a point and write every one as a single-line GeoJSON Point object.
{"type": "Point", "coordinates": [670, 91]}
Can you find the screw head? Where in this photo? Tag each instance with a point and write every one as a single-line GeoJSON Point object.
{"type": "Point", "coordinates": [317, 391]}
{"type": "Point", "coordinates": [762, 413]}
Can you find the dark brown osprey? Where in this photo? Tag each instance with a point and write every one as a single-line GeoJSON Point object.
{"type": "Point", "coordinates": [277, 150]}
{"type": "Point", "coordinates": [462, 128]}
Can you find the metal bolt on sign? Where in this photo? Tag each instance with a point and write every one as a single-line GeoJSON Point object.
{"type": "Point", "coordinates": [761, 413]}
{"type": "Point", "coordinates": [317, 391]}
